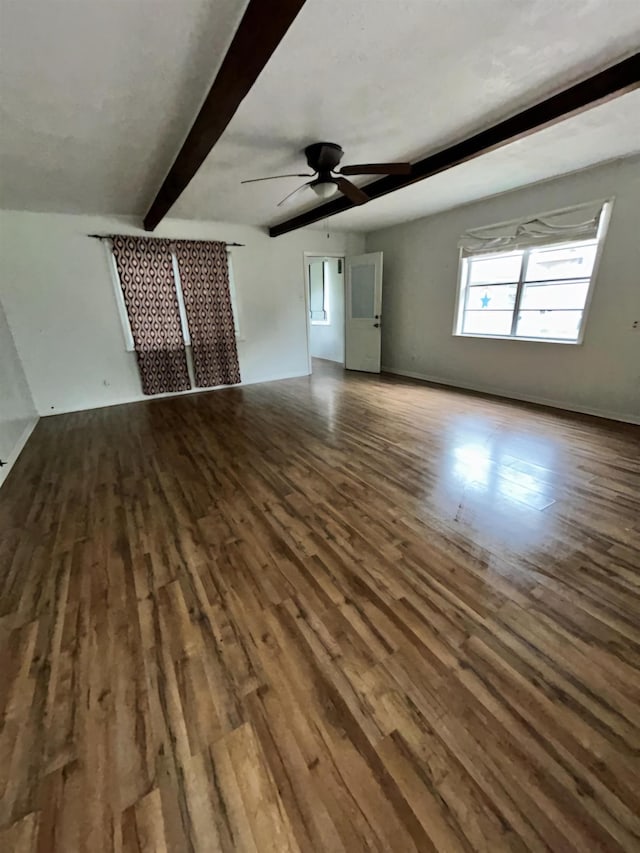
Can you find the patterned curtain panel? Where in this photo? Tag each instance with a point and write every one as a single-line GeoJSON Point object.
{"type": "Point", "coordinates": [146, 276]}
{"type": "Point", "coordinates": [204, 274]}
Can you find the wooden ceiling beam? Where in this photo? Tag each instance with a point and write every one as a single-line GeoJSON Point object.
{"type": "Point", "coordinates": [597, 89]}
{"type": "Point", "coordinates": [261, 30]}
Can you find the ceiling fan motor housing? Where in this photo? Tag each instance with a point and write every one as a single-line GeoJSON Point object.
{"type": "Point", "coordinates": [323, 157]}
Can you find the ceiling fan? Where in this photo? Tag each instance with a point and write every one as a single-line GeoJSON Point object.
{"type": "Point", "coordinates": [323, 158]}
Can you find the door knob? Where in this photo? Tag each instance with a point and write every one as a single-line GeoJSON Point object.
{"type": "Point", "coordinates": [376, 325]}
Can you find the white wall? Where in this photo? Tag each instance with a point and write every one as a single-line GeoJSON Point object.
{"type": "Point", "coordinates": [17, 412]}
{"type": "Point", "coordinates": [59, 301]}
{"type": "Point", "coordinates": [601, 376]}
{"type": "Point", "coordinates": [327, 340]}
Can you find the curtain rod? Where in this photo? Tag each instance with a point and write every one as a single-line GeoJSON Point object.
{"type": "Point", "coordinates": [109, 236]}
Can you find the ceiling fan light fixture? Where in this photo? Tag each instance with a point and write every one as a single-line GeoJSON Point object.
{"type": "Point", "coordinates": [327, 180]}
{"type": "Point", "coordinates": [324, 189]}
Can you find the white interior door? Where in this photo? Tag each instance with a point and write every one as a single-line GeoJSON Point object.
{"type": "Point", "coordinates": [364, 312]}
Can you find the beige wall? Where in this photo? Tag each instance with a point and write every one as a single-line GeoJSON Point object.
{"type": "Point", "coordinates": [58, 295]}
{"type": "Point", "coordinates": [601, 376]}
{"type": "Point", "coordinates": [17, 412]}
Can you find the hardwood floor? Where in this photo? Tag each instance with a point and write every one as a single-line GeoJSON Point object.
{"type": "Point", "coordinates": [348, 613]}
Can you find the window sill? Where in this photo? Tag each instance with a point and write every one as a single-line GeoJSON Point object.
{"type": "Point", "coordinates": [514, 338]}
{"type": "Point", "coordinates": [320, 322]}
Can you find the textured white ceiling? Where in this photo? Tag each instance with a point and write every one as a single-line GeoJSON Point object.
{"type": "Point", "coordinates": [98, 97]}
{"type": "Point", "coordinates": [604, 133]}
{"type": "Point", "coordinates": [396, 79]}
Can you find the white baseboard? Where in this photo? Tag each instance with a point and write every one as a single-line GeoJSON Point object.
{"type": "Point", "coordinates": [17, 449]}
{"type": "Point", "coordinates": [624, 417]}
{"type": "Point", "coordinates": [144, 398]}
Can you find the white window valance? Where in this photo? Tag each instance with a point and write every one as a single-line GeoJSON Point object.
{"type": "Point", "coordinates": [556, 226]}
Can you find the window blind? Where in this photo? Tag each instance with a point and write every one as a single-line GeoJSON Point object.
{"type": "Point", "coordinates": [558, 226]}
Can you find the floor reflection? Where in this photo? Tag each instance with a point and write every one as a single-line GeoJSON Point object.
{"type": "Point", "coordinates": [487, 469]}
{"type": "Point", "coordinates": [499, 486]}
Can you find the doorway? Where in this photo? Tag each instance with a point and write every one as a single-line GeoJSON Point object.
{"type": "Point", "coordinates": [325, 301]}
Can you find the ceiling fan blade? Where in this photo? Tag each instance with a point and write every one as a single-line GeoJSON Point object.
{"type": "Point", "coordinates": [287, 197]}
{"type": "Point", "coordinates": [352, 192]}
{"type": "Point", "coordinates": [377, 169]}
{"type": "Point", "coordinates": [275, 177]}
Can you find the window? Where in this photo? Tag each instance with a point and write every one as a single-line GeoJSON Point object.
{"type": "Point", "coordinates": [318, 293]}
{"type": "Point", "coordinates": [122, 308]}
{"type": "Point", "coordinates": [534, 292]}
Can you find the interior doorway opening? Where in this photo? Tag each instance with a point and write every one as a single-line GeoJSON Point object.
{"type": "Point", "coordinates": [325, 302]}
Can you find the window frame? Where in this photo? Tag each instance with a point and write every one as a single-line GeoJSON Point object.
{"type": "Point", "coordinates": [325, 293]}
{"type": "Point", "coordinates": [464, 270]}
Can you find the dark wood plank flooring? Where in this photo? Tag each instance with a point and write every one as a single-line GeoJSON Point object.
{"type": "Point", "coordinates": [345, 613]}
